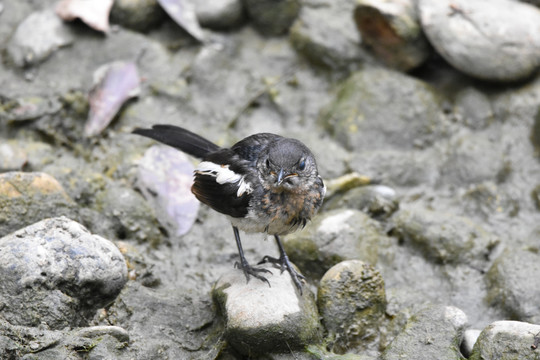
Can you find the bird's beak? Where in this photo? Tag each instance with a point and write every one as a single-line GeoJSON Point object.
{"type": "Point", "coordinates": [280, 177]}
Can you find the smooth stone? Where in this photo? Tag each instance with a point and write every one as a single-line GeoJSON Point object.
{"type": "Point", "coordinates": [261, 318]}
{"type": "Point", "coordinates": [497, 40]}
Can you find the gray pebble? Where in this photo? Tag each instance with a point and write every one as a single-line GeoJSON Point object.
{"type": "Point", "coordinates": [37, 37]}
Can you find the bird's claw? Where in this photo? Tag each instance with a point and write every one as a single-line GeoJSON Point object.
{"type": "Point", "coordinates": [250, 270]}
{"type": "Point", "coordinates": [283, 264]}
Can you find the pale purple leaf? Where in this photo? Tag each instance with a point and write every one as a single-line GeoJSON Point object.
{"type": "Point", "coordinates": [94, 13]}
{"type": "Point", "coordinates": [165, 176]}
{"type": "Point", "coordinates": [183, 13]}
{"type": "Point", "coordinates": [114, 84]}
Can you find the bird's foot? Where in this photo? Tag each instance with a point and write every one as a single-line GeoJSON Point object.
{"type": "Point", "coordinates": [283, 263]}
{"type": "Point", "coordinates": [250, 270]}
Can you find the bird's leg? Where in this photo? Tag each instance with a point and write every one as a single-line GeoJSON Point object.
{"type": "Point", "coordinates": [243, 264]}
{"type": "Point", "coordinates": [285, 264]}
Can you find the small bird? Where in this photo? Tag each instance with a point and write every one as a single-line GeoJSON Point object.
{"type": "Point", "coordinates": [264, 183]}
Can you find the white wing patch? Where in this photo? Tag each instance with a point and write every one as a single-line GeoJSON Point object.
{"type": "Point", "coordinates": [224, 175]}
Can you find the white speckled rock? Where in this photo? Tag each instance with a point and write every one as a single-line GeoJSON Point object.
{"type": "Point", "coordinates": [495, 40]}
{"type": "Point", "coordinates": [261, 319]}
{"type": "Point", "coordinates": [55, 272]}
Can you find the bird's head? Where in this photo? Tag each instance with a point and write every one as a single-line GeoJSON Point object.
{"type": "Point", "coordinates": [287, 165]}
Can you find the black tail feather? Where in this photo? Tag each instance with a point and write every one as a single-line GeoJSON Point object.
{"type": "Point", "coordinates": [180, 139]}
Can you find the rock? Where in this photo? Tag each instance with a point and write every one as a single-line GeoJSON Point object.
{"type": "Point", "coordinates": [444, 237]}
{"type": "Point", "coordinates": [260, 318]}
{"type": "Point", "coordinates": [220, 14]}
{"type": "Point", "coordinates": [397, 168]}
{"type": "Point", "coordinates": [352, 301]}
{"type": "Point", "coordinates": [513, 283]}
{"type": "Point", "coordinates": [55, 272]}
{"type": "Point", "coordinates": [40, 343]}
{"type": "Point", "coordinates": [392, 30]}
{"type": "Point", "coordinates": [272, 17]}
{"type": "Point", "coordinates": [326, 35]}
{"type": "Point", "coordinates": [380, 109]}
{"type": "Point", "coordinates": [12, 156]}
{"type": "Point", "coordinates": [434, 332]}
{"type": "Point", "coordinates": [140, 15]}
{"type": "Point", "coordinates": [26, 198]}
{"type": "Point", "coordinates": [469, 36]}
{"type": "Point", "coordinates": [29, 108]}
{"type": "Point", "coordinates": [37, 37]}
{"type": "Point", "coordinates": [158, 320]}
{"type": "Point", "coordinates": [506, 340]}
{"type": "Point", "coordinates": [130, 215]}
{"type": "Point", "coordinates": [473, 158]}
{"type": "Point", "coordinates": [469, 339]}
{"type": "Point", "coordinates": [334, 236]}
{"type": "Point", "coordinates": [378, 201]}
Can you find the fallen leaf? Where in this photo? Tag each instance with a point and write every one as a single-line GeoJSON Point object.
{"type": "Point", "coordinates": [183, 13]}
{"type": "Point", "coordinates": [94, 13]}
{"type": "Point", "coordinates": [114, 83]}
{"type": "Point", "coordinates": [165, 176]}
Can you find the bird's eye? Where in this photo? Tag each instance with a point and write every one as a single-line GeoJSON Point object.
{"type": "Point", "coordinates": [268, 163]}
{"type": "Point", "coordinates": [302, 165]}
